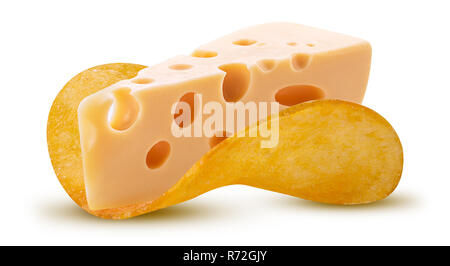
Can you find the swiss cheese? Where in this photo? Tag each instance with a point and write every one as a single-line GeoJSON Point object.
{"type": "Point", "coordinates": [129, 153]}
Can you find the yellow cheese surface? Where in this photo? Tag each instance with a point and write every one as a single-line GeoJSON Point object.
{"type": "Point", "coordinates": [128, 151]}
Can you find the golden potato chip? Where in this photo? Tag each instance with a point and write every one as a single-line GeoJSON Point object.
{"type": "Point", "coordinates": [329, 151]}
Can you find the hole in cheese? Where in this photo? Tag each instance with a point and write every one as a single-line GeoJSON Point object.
{"type": "Point", "coordinates": [296, 94]}
{"type": "Point", "coordinates": [124, 110]}
{"type": "Point", "coordinates": [188, 98]}
{"type": "Point", "coordinates": [218, 138]}
{"type": "Point", "coordinates": [158, 154]}
{"type": "Point", "coordinates": [244, 42]}
{"type": "Point", "coordinates": [292, 43]}
{"type": "Point", "coordinates": [142, 81]}
{"type": "Point", "coordinates": [236, 81]}
{"type": "Point", "coordinates": [204, 54]}
{"type": "Point", "coordinates": [310, 44]}
{"type": "Point", "coordinates": [180, 67]}
{"type": "Point", "coordinates": [300, 61]}
{"type": "Point", "coordinates": [266, 64]}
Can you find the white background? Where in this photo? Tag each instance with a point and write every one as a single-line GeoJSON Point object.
{"type": "Point", "coordinates": [44, 43]}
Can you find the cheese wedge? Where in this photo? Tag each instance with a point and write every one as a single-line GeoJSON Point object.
{"type": "Point", "coordinates": [129, 152]}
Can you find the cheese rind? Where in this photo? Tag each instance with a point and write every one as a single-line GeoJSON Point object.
{"type": "Point", "coordinates": [253, 64]}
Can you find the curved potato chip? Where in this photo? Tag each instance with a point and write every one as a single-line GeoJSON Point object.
{"type": "Point", "coordinates": [329, 151]}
